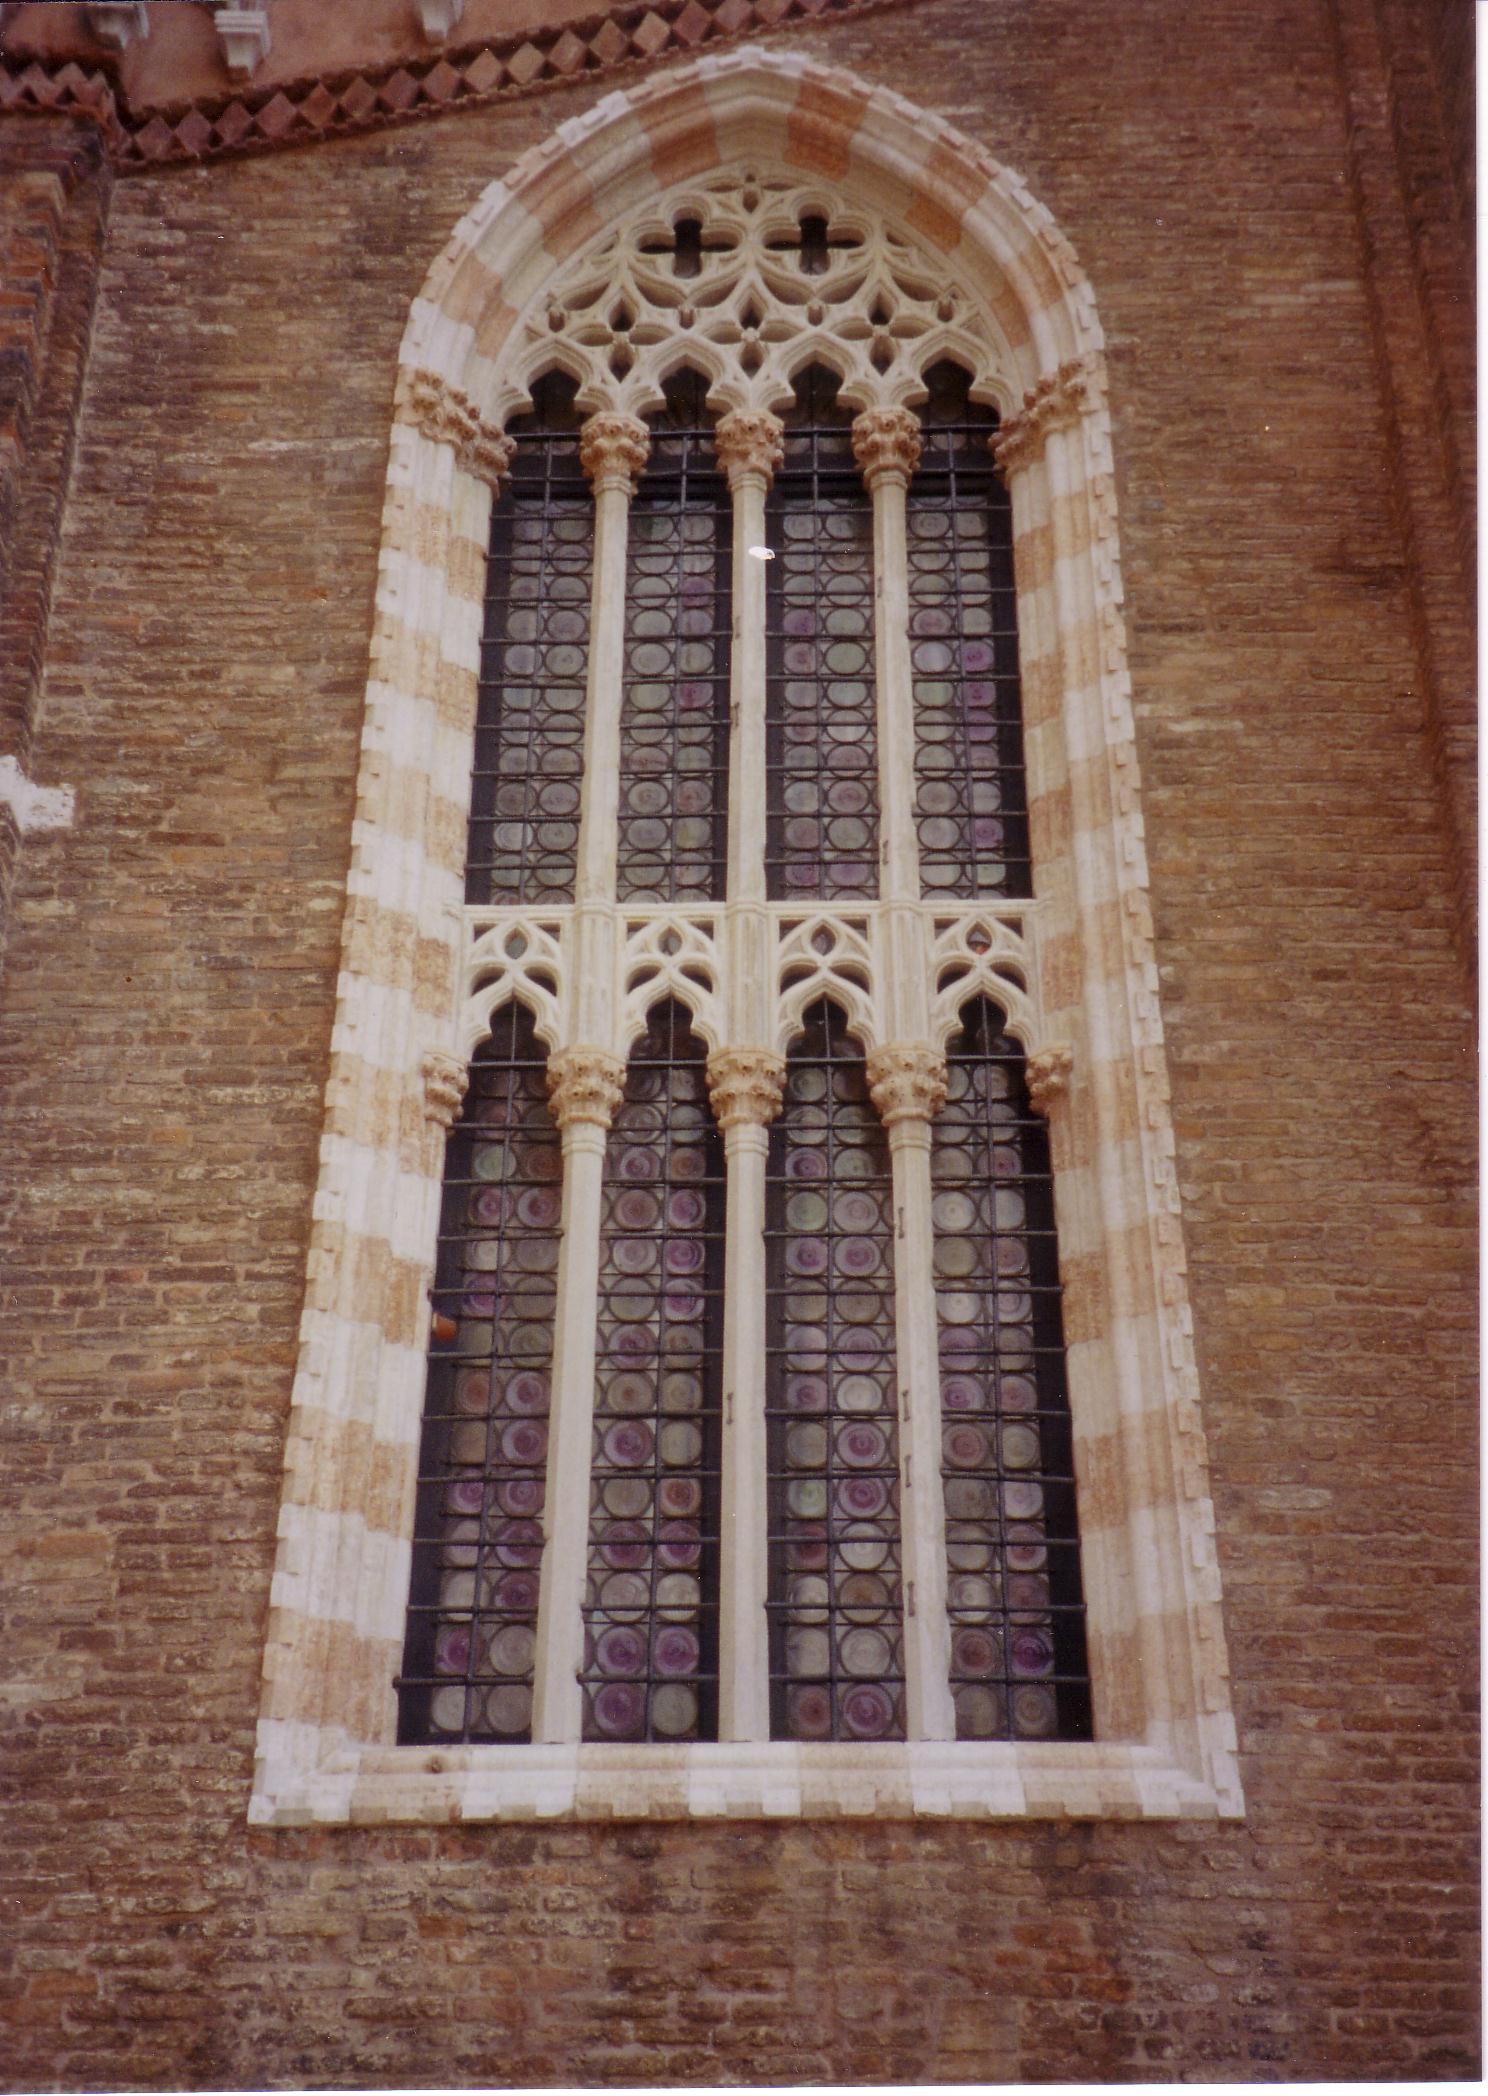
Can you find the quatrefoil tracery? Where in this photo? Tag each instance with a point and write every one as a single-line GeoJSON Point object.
{"type": "Point", "coordinates": [750, 279]}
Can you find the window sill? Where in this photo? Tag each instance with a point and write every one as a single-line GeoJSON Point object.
{"type": "Point", "coordinates": [777, 1780]}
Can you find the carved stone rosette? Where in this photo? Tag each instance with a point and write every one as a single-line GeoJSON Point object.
{"type": "Point", "coordinates": [746, 1086]}
{"type": "Point", "coordinates": [753, 443]}
{"type": "Point", "coordinates": [446, 1079]}
{"type": "Point", "coordinates": [886, 445]}
{"type": "Point", "coordinates": [585, 1084]}
{"type": "Point", "coordinates": [907, 1083]}
{"type": "Point", "coordinates": [613, 450]}
{"type": "Point", "coordinates": [1048, 1076]}
{"type": "Point", "coordinates": [1056, 402]}
{"type": "Point", "coordinates": [442, 413]}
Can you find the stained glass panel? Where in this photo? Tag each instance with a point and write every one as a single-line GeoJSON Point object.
{"type": "Point", "coordinates": [467, 1670]}
{"type": "Point", "coordinates": [651, 1605]}
{"type": "Point", "coordinates": [970, 786]}
{"type": "Point", "coordinates": [836, 1634]}
{"type": "Point", "coordinates": [674, 726]}
{"type": "Point", "coordinates": [820, 703]}
{"type": "Point", "coordinates": [529, 737]}
{"type": "Point", "coordinates": [1018, 1667]}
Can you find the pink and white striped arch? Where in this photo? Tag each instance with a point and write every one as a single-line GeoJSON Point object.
{"type": "Point", "coordinates": [1165, 1737]}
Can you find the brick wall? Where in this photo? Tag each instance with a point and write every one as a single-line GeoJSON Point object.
{"type": "Point", "coordinates": [54, 191]}
{"type": "Point", "coordinates": [163, 1038]}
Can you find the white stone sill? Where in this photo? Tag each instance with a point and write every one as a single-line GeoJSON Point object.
{"type": "Point", "coordinates": [778, 1780]}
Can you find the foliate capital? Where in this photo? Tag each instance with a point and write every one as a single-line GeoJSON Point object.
{"type": "Point", "coordinates": [445, 1081]}
{"type": "Point", "coordinates": [746, 1086]}
{"type": "Point", "coordinates": [442, 413]}
{"type": "Point", "coordinates": [1056, 402]}
{"type": "Point", "coordinates": [613, 450]}
{"type": "Point", "coordinates": [585, 1084]}
{"type": "Point", "coordinates": [907, 1083]}
{"type": "Point", "coordinates": [886, 445]}
{"type": "Point", "coordinates": [1048, 1075]}
{"type": "Point", "coordinates": [749, 443]}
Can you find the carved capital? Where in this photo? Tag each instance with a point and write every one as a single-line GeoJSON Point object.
{"type": "Point", "coordinates": [445, 1081]}
{"type": "Point", "coordinates": [1056, 402]}
{"type": "Point", "coordinates": [1048, 1076]}
{"type": "Point", "coordinates": [613, 450]}
{"type": "Point", "coordinates": [746, 1086]}
{"type": "Point", "coordinates": [907, 1083]}
{"type": "Point", "coordinates": [886, 445]}
{"type": "Point", "coordinates": [442, 413]}
{"type": "Point", "coordinates": [585, 1084]}
{"type": "Point", "coordinates": [748, 443]}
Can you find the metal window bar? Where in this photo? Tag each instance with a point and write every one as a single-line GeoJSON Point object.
{"type": "Point", "coordinates": [1014, 1598]}
{"type": "Point", "coordinates": [529, 736]}
{"type": "Point", "coordinates": [477, 1544]}
{"type": "Point", "coordinates": [834, 1588]}
{"type": "Point", "coordinates": [674, 724]}
{"type": "Point", "coordinates": [971, 789]}
{"type": "Point", "coordinates": [650, 1666]}
{"type": "Point", "coordinates": [820, 704]}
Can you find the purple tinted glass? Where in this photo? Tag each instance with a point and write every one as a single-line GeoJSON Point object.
{"type": "Point", "coordinates": [1018, 1666]}
{"type": "Point", "coordinates": [820, 706]}
{"type": "Point", "coordinates": [529, 736]}
{"type": "Point", "coordinates": [971, 795]}
{"type": "Point", "coordinates": [467, 1667]}
{"type": "Point", "coordinates": [836, 1634]}
{"type": "Point", "coordinates": [674, 724]}
{"type": "Point", "coordinates": [650, 1669]}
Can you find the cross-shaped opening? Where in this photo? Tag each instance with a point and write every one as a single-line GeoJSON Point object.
{"type": "Point", "coordinates": [687, 247]}
{"type": "Point", "coordinates": [814, 244]}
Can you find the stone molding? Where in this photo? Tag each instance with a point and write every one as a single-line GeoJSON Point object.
{"type": "Point", "coordinates": [585, 1084]}
{"type": "Point", "coordinates": [1048, 1076]}
{"type": "Point", "coordinates": [746, 1086]}
{"type": "Point", "coordinates": [886, 444]}
{"type": "Point", "coordinates": [750, 443]}
{"type": "Point", "coordinates": [405, 90]}
{"type": "Point", "coordinates": [442, 413]}
{"type": "Point", "coordinates": [613, 450]}
{"type": "Point", "coordinates": [1055, 402]}
{"type": "Point", "coordinates": [446, 1080]}
{"type": "Point", "coordinates": [907, 1082]}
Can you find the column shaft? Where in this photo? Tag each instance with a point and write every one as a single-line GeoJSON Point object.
{"type": "Point", "coordinates": [930, 1712]}
{"type": "Point", "coordinates": [744, 1659]}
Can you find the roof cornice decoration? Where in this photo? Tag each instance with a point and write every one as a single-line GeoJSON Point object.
{"type": "Point", "coordinates": [343, 103]}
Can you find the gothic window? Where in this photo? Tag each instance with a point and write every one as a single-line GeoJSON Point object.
{"type": "Point", "coordinates": [879, 680]}
{"type": "Point", "coordinates": [696, 1413]}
